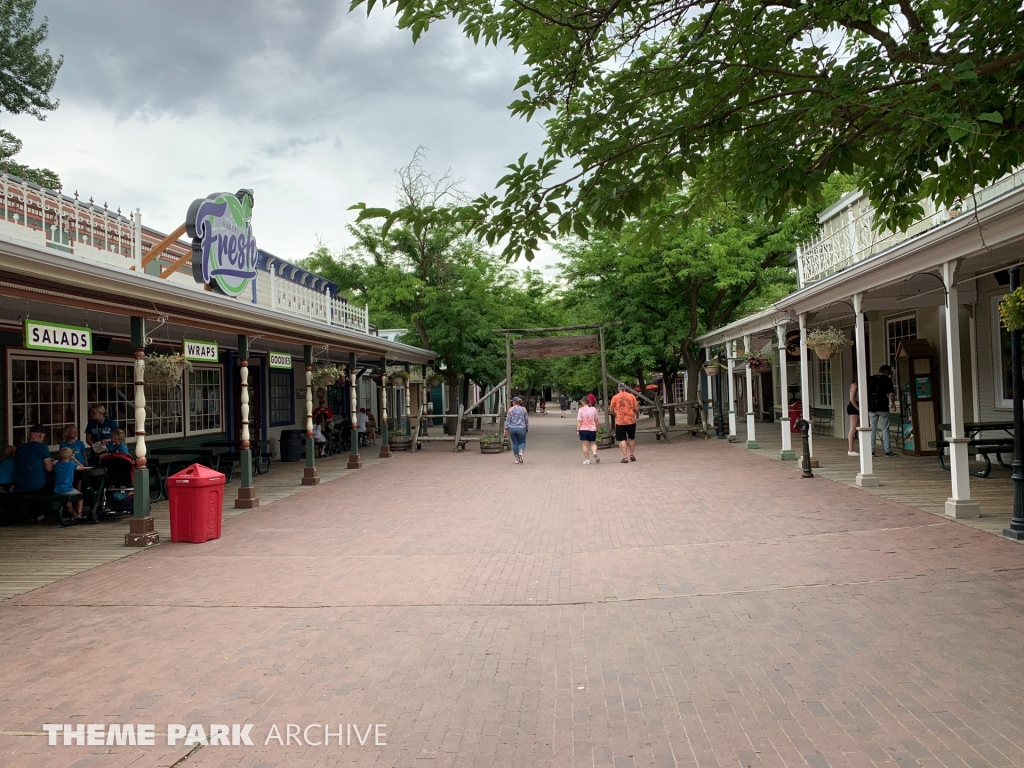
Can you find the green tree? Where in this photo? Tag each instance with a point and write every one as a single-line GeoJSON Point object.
{"type": "Point", "coordinates": [760, 99]}
{"type": "Point", "coordinates": [27, 75]}
{"type": "Point", "coordinates": [703, 274]}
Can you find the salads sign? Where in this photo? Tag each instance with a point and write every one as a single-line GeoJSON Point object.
{"type": "Point", "coordinates": [223, 248]}
{"type": "Point", "coordinates": [54, 337]}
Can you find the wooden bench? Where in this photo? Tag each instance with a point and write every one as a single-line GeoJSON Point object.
{"type": "Point", "coordinates": [21, 506]}
{"type": "Point", "coordinates": [980, 448]}
{"type": "Point", "coordinates": [821, 420]}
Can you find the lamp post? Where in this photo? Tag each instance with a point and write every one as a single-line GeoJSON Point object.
{"type": "Point", "coordinates": [720, 431]}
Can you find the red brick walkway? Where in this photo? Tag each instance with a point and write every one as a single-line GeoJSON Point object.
{"type": "Point", "coordinates": [699, 607]}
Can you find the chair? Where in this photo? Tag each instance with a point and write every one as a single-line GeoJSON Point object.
{"type": "Point", "coordinates": [119, 493]}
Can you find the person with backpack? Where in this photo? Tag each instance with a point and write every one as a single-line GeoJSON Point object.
{"type": "Point", "coordinates": [881, 400]}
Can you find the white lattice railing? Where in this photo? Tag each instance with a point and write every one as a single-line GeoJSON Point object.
{"type": "Point", "coordinates": [856, 239]}
{"type": "Point", "coordinates": [286, 296]}
{"type": "Point", "coordinates": [349, 316]}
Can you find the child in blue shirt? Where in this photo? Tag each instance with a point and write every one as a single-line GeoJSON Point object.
{"type": "Point", "coordinates": [64, 481]}
{"type": "Point", "coordinates": [78, 448]}
{"type": "Point", "coordinates": [116, 443]}
{"type": "Point", "coordinates": [7, 468]}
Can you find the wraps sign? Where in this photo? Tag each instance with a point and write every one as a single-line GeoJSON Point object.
{"type": "Point", "coordinates": [200, 351]}
{"type": "Point", "coordinates": [223, 248]}
{"type": "Point", "coordinates": [54, 337]}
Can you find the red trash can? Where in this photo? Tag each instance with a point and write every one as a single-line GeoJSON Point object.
{"type": "Point", "coordinates": [196, 498]}
{"type": "Point", "coordinates": [796, 411]}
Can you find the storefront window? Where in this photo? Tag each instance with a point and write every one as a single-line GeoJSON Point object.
{"type": "Point", "coordinates": [42, 391]}
{"type": "Point", "coordinates": [112, 385]}
{"type": "Point", "coordinates": [1001, 358]}
{"type": "Point", "coordinates": [164, 410]}
{"type": "Point", "coordinates": [205, 403]}
{"type": "Point", "coordinates": [282, 398]}
{"type": "Point", "coordinates": [824, 382]}
{"type": "Point", "coordinates": [896, 330]}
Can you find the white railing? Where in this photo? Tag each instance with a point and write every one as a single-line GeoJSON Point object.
{"type": "Point", "coordinates": [857, 239]}
{"type": "Point", "coordinates": [348, 316]}
{"type": "Point", "coordinates": [295, 299]}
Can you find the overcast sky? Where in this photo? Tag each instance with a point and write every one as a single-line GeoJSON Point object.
{"type": "Point", "coordinates": [311, 107]}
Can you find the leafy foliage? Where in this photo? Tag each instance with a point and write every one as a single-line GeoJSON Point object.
{"type": "Point", "coordinates": [761, 100]}
{"type": "Point", "coordinates": [9, 147]}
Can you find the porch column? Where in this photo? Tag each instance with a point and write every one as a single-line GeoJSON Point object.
{"type": "Point", "coordinates": [141, 532]}
{"type": "Point", "coordinates": [708, 393]}
{"type": "Point", "coordinates": [385, 449]}
{"type": "Point", "coordinates": [246, 491]}
{"type": "Point", "coordinates": [805, 385]}
{"type": "Point", "coordinates": [354, 460]}
{"type": "Point", "coordinates": [866, 477]}
{"type": "Point", "coordinates": [751, 437]}
{"type": "Point", "coordinates": [960, 504]}
{"type": "Point", "coordinates": [309, 475]}
{"type": "Point", "coordinates": [787, 438]}
{"type": "Point", "coordinates": [408, 405]}
{"type": "Point", "coordinates": [1016, 529]}
{"type": "Point", "coordinates": [731, 351]}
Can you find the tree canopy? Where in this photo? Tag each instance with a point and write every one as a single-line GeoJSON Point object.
{"type": "Point", "coordinates": [27, 74]}
{"type": "Point", "coordinates": [761, 100]}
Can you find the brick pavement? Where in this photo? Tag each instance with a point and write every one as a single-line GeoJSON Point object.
{"type": "Point", "coordinates": [701, 607]}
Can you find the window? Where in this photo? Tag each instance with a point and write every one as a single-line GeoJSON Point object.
{"type": "Point", "coordinates": [896, 330]}
{"type": "Point", "coordinates": [163, 410]}
{"type": "Point", "coordinates": [112, 385]}
{"type": "Point", "coordinates": [42, 391]}
{"type": "Point", "coordinates": [282, 400]}
{"type": "Point", "coordinates": [824, 382]}
{"type": "Point", "coordinates": [205, 404]}
{"type": "Point", "coordinates": [1001, 358]}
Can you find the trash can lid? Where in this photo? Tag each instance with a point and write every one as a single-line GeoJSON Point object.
{"type": "Point", "coordinates": [197, 474]}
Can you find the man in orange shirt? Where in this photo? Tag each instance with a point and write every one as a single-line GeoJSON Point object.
{"type": "Point", "coordinates": [625, 409]}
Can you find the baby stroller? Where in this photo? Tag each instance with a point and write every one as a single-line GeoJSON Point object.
{"type": "Point", "coordinates": [119, 494]}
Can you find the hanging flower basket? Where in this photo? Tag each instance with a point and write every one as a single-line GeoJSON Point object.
{"type": "Point", "coordinates": [434, 379]}
{"type": "Point", "coordinates": [166, 369]}
{"type": "Point", "coordinates": [757, 361]}
{"type": "Point", "coordinates": [827, 342]}
{"type": "Point", "coordinates": [711, 368]}
{"type": "Point", "coordinates": [1011, 310]}
{"type": "Point", "coordinates": [398, 378]}
{"type": "Point", "coordinates": [326, 374]}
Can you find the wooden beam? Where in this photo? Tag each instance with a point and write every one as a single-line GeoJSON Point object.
{"type": "Point", "coordinates": [162, 246]}
{"type": "Point", "coordinates": [176, 265]}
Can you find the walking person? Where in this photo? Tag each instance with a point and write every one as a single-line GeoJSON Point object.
{"type": "Point", "coordinates": [586, 428]}
{"type": "Point", "coordinates": [853, 411]}
{"type": "Point", "coordinates": [625, 409]}
{"type": "Point", "coordinates": [517, 424]}
{"type": "Point", "coordinates": [563, 404]}
{"type": "Point", "coordinates": [881, 399]}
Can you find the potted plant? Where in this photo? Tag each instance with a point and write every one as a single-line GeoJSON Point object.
{"type": "Point", "coordinates": [398, 378]}
{"type": "Point", "coordinates": [434, 379]}
{"type": "Point", "coordinates": [756, 360]}
{"type": "Point", "coordinates": [827, 342]}
{"type": "Point", "coordinates": [400, 442]}
{"type": "Point", "coordinates": [325, 374]}
{"type": "Point", "coordinates": [605, 439]}
{"type": "Point", "coordinates": [490, 442]}
{"type": "Point", "coordinates": [166, 369]}
{"type": "Point", "coordinates": [1011, 310]}
{"type": "Point", "coordinates": [711, 367]}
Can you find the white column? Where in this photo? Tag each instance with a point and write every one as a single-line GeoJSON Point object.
{"type": "Point", "coordinates": [866, 477]}
{"type": "Point", "coordinates": [805, 383]}
{"type": "Point", "coordinates": [708, 384]}
{"type": "Point", "coordinates": [243, 377]}
{"type": "Point", "coordinates": [140, 408]}
{"type": "Point", "coordinates": [366, 318]}
{"type": "Point", "coordinates": [273, 285]}
{"type": "Point", "coordinates": [959, 504]}
{"type": "Point", "coordinates": [731, 352]}
{"type": "Point", "coordinates": [751, 437]}
{"type": "Point", "coordinates": [138, 240]}
{"type": "Point", "coordinates": [309, 401]}
{"type": "Point", "coordinates": [328, 305]}
{"type": "Point", "coordinates": [972, 325]}
{"type": "Point", "coordinates": [787, 438]}
{"type": "Point", "coordinates": [353, 398]}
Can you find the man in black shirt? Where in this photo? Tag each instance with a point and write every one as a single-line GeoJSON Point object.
{"type": "Point", "coordinates": [881, 399]}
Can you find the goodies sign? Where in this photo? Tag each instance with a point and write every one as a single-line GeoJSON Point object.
{"type": "Point", "coordinates": [223, 248]}
{"type": "Point", "coordinates": [281, 360]}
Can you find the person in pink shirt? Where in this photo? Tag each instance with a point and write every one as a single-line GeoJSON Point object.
{"type": "Point", "coordinates": [586, 428]}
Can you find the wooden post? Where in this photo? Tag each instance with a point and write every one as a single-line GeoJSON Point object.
{"type": "Point", "coordinates": [382, 393]}
{"type": "Point", "coordinates": [354, 460]}
{"type": "Point", "coordinates": [458, 426]}
{"type": "Point", "coordinates": [604, 381]}
{"type": "Point", "coordinates": [246, 491]}
{"type": "Point", "coordinates": [309, 475]}
{"type": "Point", "coordinates": [408, 405]}
{"type": "Point", "coordinates": [414, 424]}
{"type": "Point", "coordinates": [141, 532]}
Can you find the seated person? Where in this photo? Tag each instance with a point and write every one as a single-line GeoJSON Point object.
{"type": "Point", "coordinates": [116, 443]}
{"type": "Point", "coordinates": [361, 422]}
{"type": "Point", "coordinates": [97, 431]}
{"type": "Point", "coordinates": [371, 428]}
{"type": "Point", "coordinates": [64, 481]}
{"type": "Point", "coordinates": [78, 448]}
{"type": "Point", "coordinates": [7, 469]}
{"type": "Point", "coordinates": [32, 464]}
{"type": "Point", "coordinates": [319, 436]}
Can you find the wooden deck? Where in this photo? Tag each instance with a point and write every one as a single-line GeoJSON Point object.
{"type": "Point", "coordinates": [32, 556]}
{"type": "Point", "coordinates": [917, 481]}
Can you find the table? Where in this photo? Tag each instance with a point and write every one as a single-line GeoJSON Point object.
{"type": "Point", "coordinates": [260, 460]}
{"type": "Point", "coordinates": [982, 446]}
{"type": "Point", "coordinates": [973, 429]}
{"type": "Point", "coordinates": [94, 482]}
{"type": "Point", "coordinates": [184, 454]}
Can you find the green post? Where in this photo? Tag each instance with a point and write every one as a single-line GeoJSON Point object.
{"type": "Point", "coordinates": [382, 407]}
{"type": "Point", "coordinates": [246, 491]}
{"type": "Point", "coordinates": [141, 532]}
{"type": "Point", "coordinates": [354, 460]}
{"type": "Point", "coordinates": [309, 475]}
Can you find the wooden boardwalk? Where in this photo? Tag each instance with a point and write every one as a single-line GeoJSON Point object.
{"type": "Point", "coordinates": [916, 481]}
{"type": "Point", "coordinates": [32, 556]}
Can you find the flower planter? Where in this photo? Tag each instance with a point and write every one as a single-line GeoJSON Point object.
{"type": "Point", "coordinates": [400, 442]}
{"type": "Point", "coordinates": [711, 370]}
{"type": "Point", "coordinates": [757, 365]}
{"type": "Point", "coordinates": [492, 447]}
{"type": "Point", "coordinates": [824, 353]}
{"type": "Point", "coordinates": [606, 442]}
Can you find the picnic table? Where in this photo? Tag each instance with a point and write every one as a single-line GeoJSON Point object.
{"type": "Point", "coordinates": [260, 459]}
{"type": "Point", "coordinates": [981, 446]}
{"type": "Point", "coordinates": [183, 455]}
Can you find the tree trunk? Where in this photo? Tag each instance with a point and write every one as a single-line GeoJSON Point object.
{"type": "Point", "coordinates": [670, 388]}
{"type": "Point", "coordinates": [692, 390]}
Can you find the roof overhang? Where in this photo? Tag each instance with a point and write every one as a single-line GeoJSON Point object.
{"type": "Point", "coordinates": [45, 275]}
